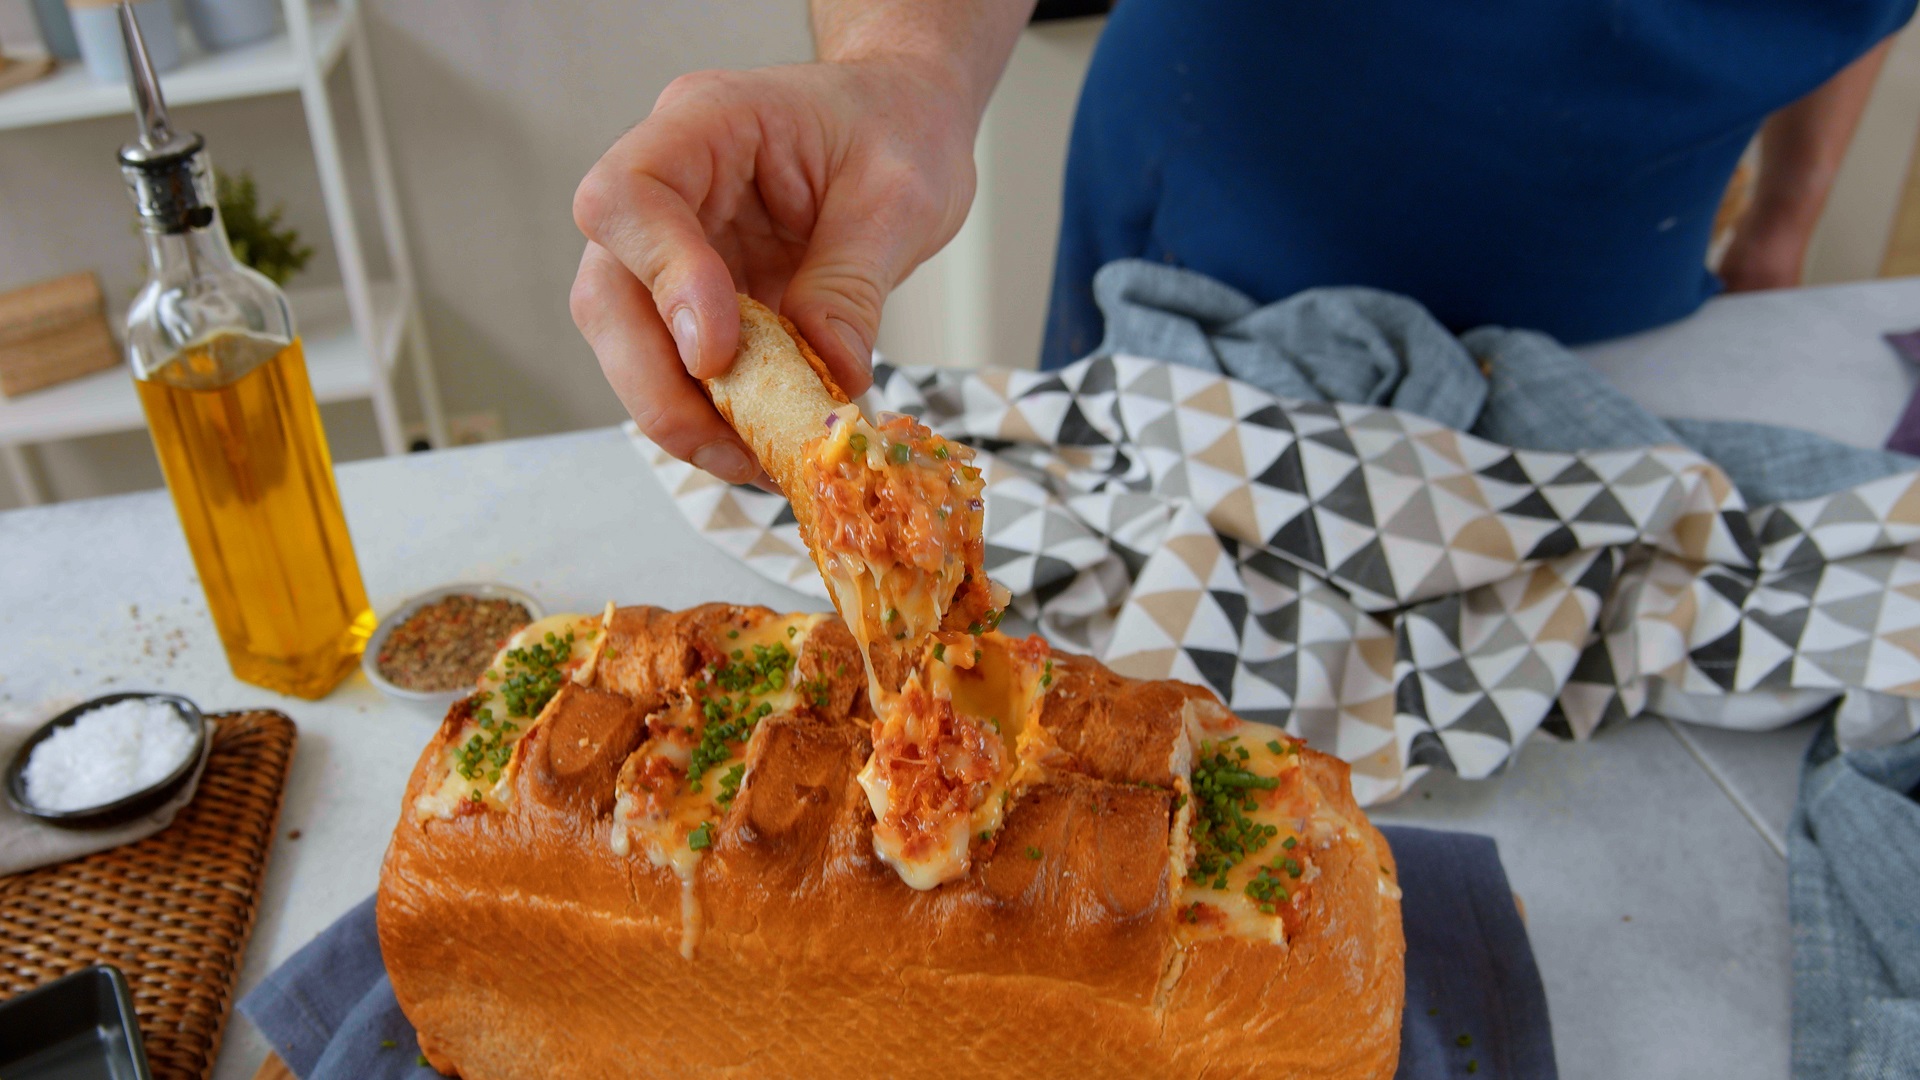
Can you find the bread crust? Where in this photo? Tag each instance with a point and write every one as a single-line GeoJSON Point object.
{"type": "Point", "coordinates": [520, 945]}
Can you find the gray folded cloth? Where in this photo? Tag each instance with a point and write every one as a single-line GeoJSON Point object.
{"type": "Point", "coordinates": [1363, 346]}
{"type": "Point", "coordinates": [1855, 848]}
{"type": "Point", "coordinates": [1474, 1004]}
{"type": "Point", "coordinates": [26, 843]}
{"type": "Point", "coordinates": [1854, 889]}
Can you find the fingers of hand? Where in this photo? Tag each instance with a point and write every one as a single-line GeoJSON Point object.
{"type": "Point", "coordinates": [642, 364]}
{"type": "Point", "coordinates": [870, 235]}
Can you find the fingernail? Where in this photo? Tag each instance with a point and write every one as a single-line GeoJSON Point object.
{"type": "Point", "coordinates": [851, 339]}
{"type": "Point", "coordinates": [686, 334]}
{"type": "Point", "coordinates": [726, 461]}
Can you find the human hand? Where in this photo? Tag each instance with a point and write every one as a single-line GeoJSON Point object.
{"type": "Point", "coordinates": [813, 188]}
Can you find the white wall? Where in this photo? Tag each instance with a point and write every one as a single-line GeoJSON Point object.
{"type": "Point", "coordinates": [999, 270]}
{"type": "Point", "coordinates": [1852, 235]}
{"type": "Point", "coordinates": [496, 109]}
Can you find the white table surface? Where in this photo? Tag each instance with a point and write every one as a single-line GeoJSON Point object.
{"type": "Point", "coordinates": [1656, 899]}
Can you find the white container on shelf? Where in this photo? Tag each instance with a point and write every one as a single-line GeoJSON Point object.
{"type": "Point", "coordinates": [56, 29]}
{"type": "Point", "coordinates": [96, 24]}
{"type": "Point", "coordinates": [229, 24]}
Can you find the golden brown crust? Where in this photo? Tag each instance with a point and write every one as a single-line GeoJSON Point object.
{"type": "Point", "coordinates": [812, 358]}
{"type": "Point", "coordinates": [776, 395]}
{"type": "Point", "coordinates": [521, 945]}
{"type": "Point", "coordinates": [1120, 728]}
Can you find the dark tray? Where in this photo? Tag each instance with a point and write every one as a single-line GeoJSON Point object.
{"type": "Point", "coordinates": [81, 1027]}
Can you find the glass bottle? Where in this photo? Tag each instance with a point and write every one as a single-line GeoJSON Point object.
{"type": "Point", "coordinates": [223, 381]}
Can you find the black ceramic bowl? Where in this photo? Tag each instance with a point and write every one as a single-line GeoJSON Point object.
{"type": "Point", "coordinates": [119, 811]}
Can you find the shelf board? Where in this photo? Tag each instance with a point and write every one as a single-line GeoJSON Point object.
{"type": "Point", "coordinates": [104, 401]}
{"type": "Point", "coordinates": [267, 68]}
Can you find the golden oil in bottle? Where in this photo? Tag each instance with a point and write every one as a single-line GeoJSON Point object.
{"type": "Point", "coordinates": [239, 437]}
{"type": "Point", "coordinates": [218, 365]}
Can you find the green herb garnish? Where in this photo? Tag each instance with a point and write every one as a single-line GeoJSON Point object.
{"type": "Point", "coordinates": [730, 720]}
{"type": "Point", "coordinates": [1222, 835]}
{"type": "Point", "coordinates": [534, 674]}
{"type": "Point", "coordinates": [1267, 889]}
{"type": "Point", "coordinates": [730, 785]}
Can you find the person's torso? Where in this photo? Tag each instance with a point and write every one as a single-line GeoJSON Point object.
{"type": "Point", "coordinates": [1553, 165]}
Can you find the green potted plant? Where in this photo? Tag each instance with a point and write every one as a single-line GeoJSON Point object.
{"type": "Point", "coordinates": [259, 238]}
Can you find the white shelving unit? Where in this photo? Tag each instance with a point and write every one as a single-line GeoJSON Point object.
{"type": "Point", "coordinates": [354, 333]}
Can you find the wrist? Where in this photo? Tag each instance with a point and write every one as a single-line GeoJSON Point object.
{"type": "Point", "coordinates": [936, 98]}
{"type": "Point", "coordinates": [956, 47]}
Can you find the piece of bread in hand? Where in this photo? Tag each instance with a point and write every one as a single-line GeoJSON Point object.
{"type": "Point", "coordinates": [889, 511]}
{"type": "Point", "coordinates": [653, 875]}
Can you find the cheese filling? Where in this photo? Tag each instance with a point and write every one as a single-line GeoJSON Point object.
{"type": "Point", "coordinates": [1254, 829]}
{"type": "Point", "coordinates": [673, 791]}
{"type": "Point", "coordinates": [511, 696]}
{"type": "Point", "coordinates": [897, 521]}
{"type": "Point", "coordinates": [952, 749]}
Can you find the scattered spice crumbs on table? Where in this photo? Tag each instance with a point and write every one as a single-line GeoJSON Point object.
{"type": "Point", "coordinates": [448, 643]}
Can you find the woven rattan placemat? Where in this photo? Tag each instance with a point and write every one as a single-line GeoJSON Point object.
{"type": "Point", "coordinates": [173, 911]}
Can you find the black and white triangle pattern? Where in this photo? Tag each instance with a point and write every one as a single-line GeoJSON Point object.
{"type": "Point", "coordinates": [1404, 595]}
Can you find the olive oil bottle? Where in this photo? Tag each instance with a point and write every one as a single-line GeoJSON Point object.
{"type": "Point", "coordinates": [224, 384]}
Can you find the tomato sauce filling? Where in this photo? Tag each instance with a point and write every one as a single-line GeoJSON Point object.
{"type": "Point", "coordinates": [896, 493]}
{"type": "Point", "coordinates": [899, 508]}
{"type": "Point", "coordinates": [936, 767]}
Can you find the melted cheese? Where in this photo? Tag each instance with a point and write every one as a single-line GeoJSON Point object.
{"type": "Point", "coordinates": [492, 786]}
{"type": "Point", "coordinates": [1220, 905]}
{"type": "Point", "coordinates": [657, 809]}
{"type": "Point", "coordinates": [964, 735]}
{"type": "Point", "coordinates": [897, 514]}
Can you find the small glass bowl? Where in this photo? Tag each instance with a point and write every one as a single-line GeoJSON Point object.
{"type": "Point", "coordinates": [435, 702]}
{"type": "Point", "coordinates": [121, 810]}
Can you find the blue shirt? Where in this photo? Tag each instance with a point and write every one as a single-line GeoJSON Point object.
{"type": "Point", "coordinates": [1546, 164]}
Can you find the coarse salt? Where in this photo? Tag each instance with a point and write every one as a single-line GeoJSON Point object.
{"type": "Point", "coordinates": [108, 754]}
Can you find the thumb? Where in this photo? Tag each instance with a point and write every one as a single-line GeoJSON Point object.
{"type": "Point", "coordinates": [836, 295]}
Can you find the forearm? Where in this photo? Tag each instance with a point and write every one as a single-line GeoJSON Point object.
{"type": "Point", "coordinates": [963, 42]}
{"type": "Point", "coordinates": [1803, 145]}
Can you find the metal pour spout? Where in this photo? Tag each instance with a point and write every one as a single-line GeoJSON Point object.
{"type": "Point", "coordinates": [171, 182]}
{"type": "Point", "coordinates": [148, 104]}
